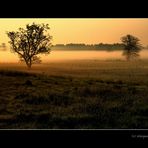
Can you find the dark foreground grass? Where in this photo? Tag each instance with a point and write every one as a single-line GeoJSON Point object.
{"type": "Point", "coordinates": [39, 101]}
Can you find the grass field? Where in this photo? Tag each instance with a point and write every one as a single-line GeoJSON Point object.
{"type": "Point", "coordinates": [82, 94]}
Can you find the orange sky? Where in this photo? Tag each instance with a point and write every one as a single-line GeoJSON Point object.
{"type": "Point", "coordinates": [89, 31]}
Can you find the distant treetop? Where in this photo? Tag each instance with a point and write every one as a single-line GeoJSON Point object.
{"type": "Point", "coordinates": [99, 46]}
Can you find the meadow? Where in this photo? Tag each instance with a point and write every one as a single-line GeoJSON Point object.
{"type": "Point", "coordinates": [75, 94]}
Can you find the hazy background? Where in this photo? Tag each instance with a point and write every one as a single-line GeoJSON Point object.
{"type": "Point", "coordinates": [88, 31]}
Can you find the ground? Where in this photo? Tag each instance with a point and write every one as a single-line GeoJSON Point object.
{"type": "Point", "coordinates": [82, 94]}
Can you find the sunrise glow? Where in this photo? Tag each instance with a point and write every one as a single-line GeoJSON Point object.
{"type": "Point", "coordinates": [88, 31]}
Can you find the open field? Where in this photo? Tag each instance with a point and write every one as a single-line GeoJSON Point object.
{"type": "Point", "coordinates": [75, 94]}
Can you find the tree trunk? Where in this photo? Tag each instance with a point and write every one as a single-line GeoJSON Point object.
{"type": "Point", "coordinates": [29, 64]}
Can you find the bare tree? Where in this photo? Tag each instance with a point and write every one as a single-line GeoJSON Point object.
{"type": "Point", "coordinates": [132, 46]}
{"type": "Point", "coordinates": [30, 42]}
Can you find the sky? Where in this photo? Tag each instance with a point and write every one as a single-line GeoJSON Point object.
{"type": "Point", "coordinates": [88, 31]}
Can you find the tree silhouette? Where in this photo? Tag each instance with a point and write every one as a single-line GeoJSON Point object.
{"type": "Point", "coordinates": [132, 47]}
{"type": "Point", "coordinates": [3, 47]}
{"type": "Point", "coordinates": [30, 42]}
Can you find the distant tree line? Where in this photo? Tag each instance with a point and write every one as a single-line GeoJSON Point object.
{"type": "Point", "coordinates": [100, 46]}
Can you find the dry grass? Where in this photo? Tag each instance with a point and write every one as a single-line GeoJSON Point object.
{"type": "Point", "coordinates": [74, 94]}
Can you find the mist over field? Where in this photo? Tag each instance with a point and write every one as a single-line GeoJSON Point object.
{"type": "Point", "coordinates": [71, 55]}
